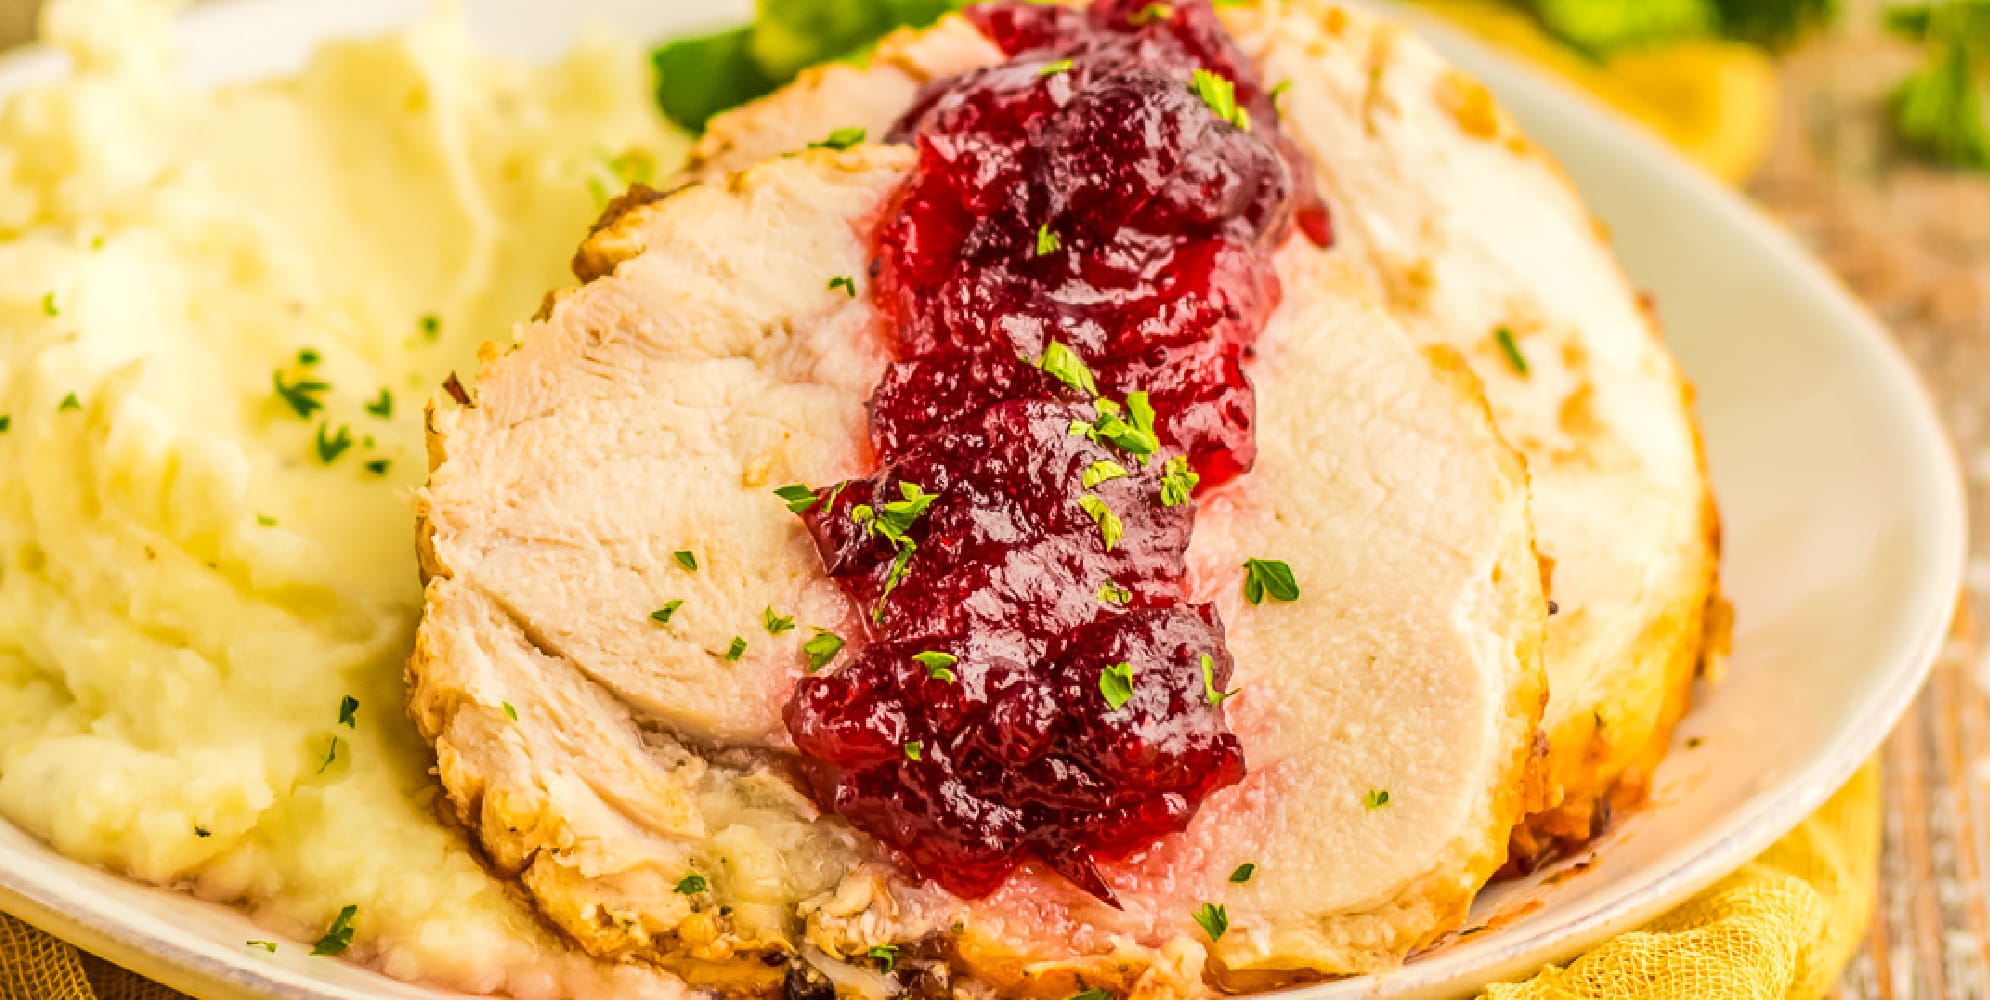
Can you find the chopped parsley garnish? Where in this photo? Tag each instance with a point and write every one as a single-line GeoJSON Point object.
{"type": "Point", "coordinates": [822, 648]}
{"type": "Point", "coordinates": [891, 522]}
{"type": "Point", "coordinates": [1243, 873]}
{"type": "Point", "coordinates": [662, 614]}
{"type": "Point", "coordinates": [301, 396]}
{"type": "Point", "coordinates": [1269, 576]}
{"type": "Point", "coordinates": [686, 559]}
{"type": "Point", "coordinates": [1511, 348]}
{"type": "Point", "coordinates": [379, 466]}
{"type": "Point", "coordinates": [692, 884]}
{"type": "Point", "coordinates": [382, 405]}
{"type": "Point", "coordinates": [510, 710]}
{"type": "Point", "coordinates": [1116, 683]}
{"type": "Point", "coordinates": [338, 937]}
{"type": "Point", "coordinates": [1052, 69]}
{"type": "Point", "coordinates": [846, 283]}
{"type": "Point", "coordinates": [1047, 242]}
{"type": "Point", "coordinates": [48, 307]}
{"type": "Point", "coordinates": [1101, 471]}
{"type": "Point", "coordinates": [1221, 96]}
{"type": "Point", "coordinates": [330, 448]}
{"type": "Point", "coordinates": [308, 357]}
{"type": "Point", "coordinates": [6, 423]}
{"type": "Point", "coordinates": [349, 712]}
{"type": "Point", "coordinates": [1094, 993]}
{"type": "Point", "coordinates": [1214, 919]}
{"type": "Point", "coordinates": [1279, 89]}
{"type": "Point", "coordinates": [268, 946]}
{"type": "Point", "coordinates": [1375, 799]}
{"type": "Point", "coordinates": [1130, 428]}
{"type": "Point", "coordinates": [901, 566]}
{"type": "Point", "coordinates": [887, 954]}
{"type": "Point", "coordinates": [1110, 528]}
{"type": "Point", "coordinates": [202, 832]}
{"type": "Point", "coordinates": [1064, 364]}
{"type": "Point", "coordinates": [431, 326]}
{"type": "Point", "coordinates": [1148, 15]}
{"type": "Point", "coordinates": [737, 649]}
{"type": "Point", "coordinates": [776, 624]}
{"type": "Point", "coordinates": [1209, 682]}
{"type": "Point", "coordinates": [1110, 592]}
{"type": "Point", "coordinates": [800, 498]}
{"type": "Point", "coordinates": [70, 402]}
{"type": "Point", "coordinates": [1177, 482]}
{"type": "Point", "coordinates": [265, 520]}
{"type": "Point", "coordinates": [331, 755]}
{"type": "Point", "coordinates": [914, 750]}
{"type": "Point", "coordinates": [939, 666]}
{"type": "Point", "coordinates": [842, 138]}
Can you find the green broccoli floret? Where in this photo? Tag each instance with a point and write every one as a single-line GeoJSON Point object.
{"type": "Point", "coordinates": [1940, 109]}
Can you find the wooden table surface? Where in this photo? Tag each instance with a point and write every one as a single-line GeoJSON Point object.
{"type": "Point", "coordinates": [1914, 243]}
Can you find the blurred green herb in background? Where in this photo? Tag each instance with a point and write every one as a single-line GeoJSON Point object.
{"type": "Point", "coordinates": [1597, 27]}
{"type": "Point", "coordinates": [700, 77]}
{"type": "Point", "coordinates": [1943, 109]}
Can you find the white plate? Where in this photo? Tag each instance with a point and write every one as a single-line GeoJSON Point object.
{"type": "Point", "coordinates": [1843, 518]}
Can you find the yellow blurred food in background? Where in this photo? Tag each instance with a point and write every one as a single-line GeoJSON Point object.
{"type": "Point", "coordinates": [1713, 100]}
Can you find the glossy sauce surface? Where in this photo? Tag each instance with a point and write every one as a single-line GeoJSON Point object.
{"type": "Point", "coordinates": [1075, 276]}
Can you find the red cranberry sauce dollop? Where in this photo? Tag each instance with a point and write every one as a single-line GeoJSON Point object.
{"type": "Point", "coordinates": [1034, 682]}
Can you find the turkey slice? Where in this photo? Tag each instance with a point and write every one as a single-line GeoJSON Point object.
{"type": "Point", "coordinates": [1462, 228]}
{"type": "Point", "coordinates": [605, 757]}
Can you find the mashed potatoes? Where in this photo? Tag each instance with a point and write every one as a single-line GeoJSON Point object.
{"type": "Point", "coordinates": [220, 316]}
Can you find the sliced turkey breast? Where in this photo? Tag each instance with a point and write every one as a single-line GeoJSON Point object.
{"type": "Point", "coordinates": [633, 773]}
{"type": "Point", "coordinates": [1477, 241]}
{"type": "Point", "coordinates": [1462, 228]}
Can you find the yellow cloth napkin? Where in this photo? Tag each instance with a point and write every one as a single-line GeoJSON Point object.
{"type": "Point", "coordinates": [1781, 927]}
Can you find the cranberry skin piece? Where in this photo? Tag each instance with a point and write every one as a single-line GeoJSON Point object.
{"type": "Point", "coordinates": [1140, 148]}
{"type": "Point", "coordinates": [1164, 736]}
{"type": "Point", "coordinates": [1020, 27]}
{"type": "Point", "coordinates": [932, 392]}
{"type": "Point", "coordinates": [1206, 407]}
{"type": "Point", "coordinates": [1006, 541]}
{"type": "Point", "coordinates": [924, 810]}
{"type": "Point", "coordinates": [855, 717]}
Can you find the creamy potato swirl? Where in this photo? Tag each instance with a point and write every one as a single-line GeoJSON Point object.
{"type": "Point", "coordinates": [221, 314]}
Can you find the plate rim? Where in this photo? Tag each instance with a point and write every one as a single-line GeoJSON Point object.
{"type": "Point", "coordinates": [78, 917]}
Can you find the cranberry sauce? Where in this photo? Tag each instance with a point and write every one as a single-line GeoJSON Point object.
{"type": "Point", "coordinates": [1075, 276]}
